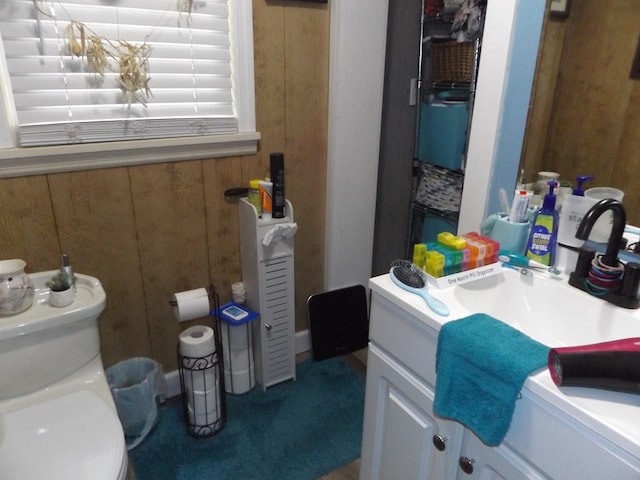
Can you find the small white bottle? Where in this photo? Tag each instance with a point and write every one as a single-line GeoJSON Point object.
{"type": "Point", "coordinates": [574, 208]}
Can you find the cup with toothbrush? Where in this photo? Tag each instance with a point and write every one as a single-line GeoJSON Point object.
{"type": "Point", "coordinates": [511, 227]}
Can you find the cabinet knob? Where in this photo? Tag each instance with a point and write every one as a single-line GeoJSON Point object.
{"type": "Point", "coordinates": [439, 442]}
{"type": "Point", "coordinates": [268, 326]}
{"type": "Point", "coordinates": [466, 464]}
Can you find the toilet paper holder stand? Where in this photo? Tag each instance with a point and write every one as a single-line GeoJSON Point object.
{"type": "Point", "coordinates": [202, 382]}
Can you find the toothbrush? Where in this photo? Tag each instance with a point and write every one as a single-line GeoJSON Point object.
{"type": "Point", "coordinates": [410, 278]}
{"type": "Point", "coordinates": [504, 201]}
{"type": "Point", "coordinates": [512, 258]}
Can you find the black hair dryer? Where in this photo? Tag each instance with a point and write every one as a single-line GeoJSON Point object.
{"type": "Point", "coordinates": [613, 365]}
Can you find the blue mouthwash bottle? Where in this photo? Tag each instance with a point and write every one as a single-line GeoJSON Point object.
{"type": "Point", "coordinates": [543, 238]}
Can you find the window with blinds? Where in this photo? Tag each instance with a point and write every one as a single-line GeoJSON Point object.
{"type": "Point", "coordinates": [200, 72]}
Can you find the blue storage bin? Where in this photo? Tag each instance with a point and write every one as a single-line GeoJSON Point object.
{"type": "Point", "coordinates": [443, 133]}
{"type": "Point", "coordinates": [435, 224]}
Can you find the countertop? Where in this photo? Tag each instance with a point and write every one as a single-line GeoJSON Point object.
{"type": "Point", "coordinates": [613, 415]}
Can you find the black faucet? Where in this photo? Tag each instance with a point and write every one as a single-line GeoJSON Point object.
{"type": "Point", "coordinates": [610, 257]}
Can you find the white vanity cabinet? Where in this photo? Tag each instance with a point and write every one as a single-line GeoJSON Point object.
{"type": "Point", "coordinates": [403, 439]}
{"type": "Point", "coordinates": [398, 419]}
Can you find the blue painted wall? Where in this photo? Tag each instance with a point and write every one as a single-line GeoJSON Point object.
{"type": "Point", "coordinates": [522, 64]}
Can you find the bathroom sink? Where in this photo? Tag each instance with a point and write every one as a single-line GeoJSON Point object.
{"type": "Point", "coordinates": [546, 308]}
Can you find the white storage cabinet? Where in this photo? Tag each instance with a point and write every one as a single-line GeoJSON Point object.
{"type": "Point", "coordinates": [268, 275]}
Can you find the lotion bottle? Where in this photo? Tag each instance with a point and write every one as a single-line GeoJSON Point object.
{"type": "Point", "coordinates": [574, 208]}
{"type": "Point", "coordinates": [543, 240]}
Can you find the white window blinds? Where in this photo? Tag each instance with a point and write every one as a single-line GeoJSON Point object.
{"type": "Point", "coordinates": [192, 88]}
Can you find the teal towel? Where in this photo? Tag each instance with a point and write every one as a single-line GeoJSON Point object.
{"type": "Point", "coordinates": [481, 365]}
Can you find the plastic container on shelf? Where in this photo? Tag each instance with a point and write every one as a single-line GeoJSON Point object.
{"type": "Point", "coordinates": [253, 195]}
{"type": "Point", "coordinates": [442, 134]}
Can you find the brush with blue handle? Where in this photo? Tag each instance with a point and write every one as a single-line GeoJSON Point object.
{"type": "Point", "coordinates": [410, 278]}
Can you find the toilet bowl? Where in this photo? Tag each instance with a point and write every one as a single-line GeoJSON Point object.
{"type": "Point", "coordinates": [57, 415]}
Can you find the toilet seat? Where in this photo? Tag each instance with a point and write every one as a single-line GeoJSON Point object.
{"type": "Point", "coordinates": [75, 436]}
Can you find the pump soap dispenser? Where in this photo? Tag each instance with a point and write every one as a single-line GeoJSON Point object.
{"type": "Point", "coordinates": [543, 240]}
{"type": "Point", "coordinates": [573, 210]}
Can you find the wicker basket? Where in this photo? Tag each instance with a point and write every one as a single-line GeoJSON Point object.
{"type": "Point", "coordinates": [452, 61]}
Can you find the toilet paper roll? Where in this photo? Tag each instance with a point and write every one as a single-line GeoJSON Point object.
{"type": "Point", "coordinates": [238, 383]}
{"type": "Point", "coordinates": [238, 359]}
{"type": "Point", "coordinates": [236, 338]}
{"type": "Point", "coordinates": [200, 380]}
{"type": "Point", "coordinates": [203, 406]}
{"type": "Point", "coordinates": [191, 304]}
{"type": "Point", "coordinates": [197, 341]}
{"type": "Point", "coordinates": [238, 292]}
{"type": "Point", "coordinates": [239, 362]}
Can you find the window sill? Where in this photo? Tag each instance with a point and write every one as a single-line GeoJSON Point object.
{"type": "Point", "coordinates": [17, 162]}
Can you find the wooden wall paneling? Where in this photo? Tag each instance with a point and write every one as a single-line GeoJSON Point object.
{"type": "Point", "coordinates": [96, 225]}
{"type": "Point", "coordinates": [168, 202]}
{"type": "Point", "coordinates": [542, 98]}
{"type": "Point", "coordinates": [27, 227]}
{"type": "Point", "coordinates": [593, 90]}
{"type": "Point", "coordinates": [574, 86]}
{"type": "Point", "coordinates": [222, 219]}
{"type": "Point", "coordinates": [594, 124]}
{"type": "Point", "coordinates": [607, 97]}
{"type": "Point", "coordinates": [626, 162]}
{"type": "Point", "coordinates": [269, 66]}
{"type": "Point", "coordinates": [627, 174]}
{"type": "Point", "coordinates": [306, 103]}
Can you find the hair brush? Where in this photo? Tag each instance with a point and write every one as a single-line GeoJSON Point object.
{"type": "Point", "coordinates": [412, 279]}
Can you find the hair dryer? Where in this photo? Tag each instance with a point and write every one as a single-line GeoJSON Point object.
{"type": "Point", "coordinates": [613, 365]}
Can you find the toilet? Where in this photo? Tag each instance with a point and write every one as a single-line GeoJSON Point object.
{"type": "Point", "coordinates": [57, 416]}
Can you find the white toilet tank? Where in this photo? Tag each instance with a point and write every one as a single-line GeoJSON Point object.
{"type": "Point", "coordinates": [45, 344]}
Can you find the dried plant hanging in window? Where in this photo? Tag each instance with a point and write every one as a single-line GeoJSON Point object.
{"type": "Point", "coordinates": [132, 59]}
{"type": "Point", "coordinates": [134, 72]}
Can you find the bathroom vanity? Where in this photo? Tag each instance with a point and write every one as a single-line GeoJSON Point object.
{"type": "Point", "coordinates": [557, 433]}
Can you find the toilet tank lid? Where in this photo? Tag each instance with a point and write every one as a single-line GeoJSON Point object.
{"type": "Point", "coordinates": [90, 301]}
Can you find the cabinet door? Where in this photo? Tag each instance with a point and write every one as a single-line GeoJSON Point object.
{"type": "Point", "coordinates": [481, 462]}
{"type": "Point", "coordinates": [275, 347]}
{"type": "Point", "coordinates": [402, 439]}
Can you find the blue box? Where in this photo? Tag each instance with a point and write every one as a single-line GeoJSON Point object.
{"type": "Point", "coordinates": [442, 135]}
{"type": "Point", "coordinates": [236, 314]}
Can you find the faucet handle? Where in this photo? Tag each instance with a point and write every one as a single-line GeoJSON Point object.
{"type": "Point", "coordinates": [631, 280]}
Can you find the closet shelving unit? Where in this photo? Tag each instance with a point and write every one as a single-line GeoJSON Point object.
{"type": "Point", "coordinates": [438, 180]}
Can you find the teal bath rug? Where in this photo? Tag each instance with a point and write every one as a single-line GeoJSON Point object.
{"type": "Point", "coordinates": [297, 430]}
